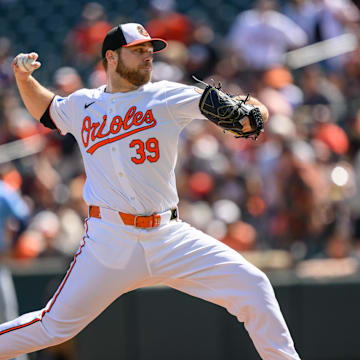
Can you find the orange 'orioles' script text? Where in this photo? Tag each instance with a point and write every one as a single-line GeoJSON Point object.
{"type": "Point", "coordinates": [133, 122]}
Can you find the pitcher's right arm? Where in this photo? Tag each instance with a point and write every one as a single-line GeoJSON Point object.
{"type": "Point", "coordinates": [35, 96]}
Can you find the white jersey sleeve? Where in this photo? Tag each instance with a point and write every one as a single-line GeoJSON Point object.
{"type": "Point", "coordinates": [62, 113]}
{"type": "Point", "coordinates": [182, 102]}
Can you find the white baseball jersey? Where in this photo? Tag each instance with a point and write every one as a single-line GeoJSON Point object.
{"type": "Point", "coordinates": [128, 142]}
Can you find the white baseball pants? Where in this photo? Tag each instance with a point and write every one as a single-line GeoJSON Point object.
{"type": "Point", "coordinates": [8, 301]}
{"type": "Point", "coordinates": [114, 259]}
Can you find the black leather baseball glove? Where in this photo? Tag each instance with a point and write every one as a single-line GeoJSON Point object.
{"type": "Point", "coordinates": [229, 113]}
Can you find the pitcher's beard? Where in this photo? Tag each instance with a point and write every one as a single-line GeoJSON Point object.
{"type": "Point", "coordinates": [135, 77]}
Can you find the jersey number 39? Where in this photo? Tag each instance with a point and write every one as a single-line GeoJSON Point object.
{"type": "Point", "coordinates": [145, 151]}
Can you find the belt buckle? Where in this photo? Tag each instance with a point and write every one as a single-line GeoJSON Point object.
{"type": "Point", "coordinates": [145, 221]}
{"type": "Point", "coordinates": [156, 220]}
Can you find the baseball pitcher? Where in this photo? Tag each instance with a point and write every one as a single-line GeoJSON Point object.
{"type": "Point", "coordinates": [128, 132]}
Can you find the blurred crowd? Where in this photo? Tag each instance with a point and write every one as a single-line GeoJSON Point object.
{"type": "Point", "coordinates": [296, 189]}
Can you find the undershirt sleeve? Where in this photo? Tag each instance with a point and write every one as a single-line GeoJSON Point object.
{"type": "Point", "coordinates": [46, 119]}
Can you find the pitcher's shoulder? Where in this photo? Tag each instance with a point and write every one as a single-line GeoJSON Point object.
{"type": "Point", "coordinates": [166, 85]}
{"type": "Point", "coordinates": [85, 93]}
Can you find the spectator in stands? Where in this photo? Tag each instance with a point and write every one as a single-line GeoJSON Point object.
{"type": "Point", "coordinates": [83, 43]}
{"type": "Point", "coordinates": [5, 60]}
{"type": "Point", "coordinates": [166, 23]}
{"type": "Point", "coordinates": [261, 36]}
{"type": "Point", "coordinates": [320, 89]}
{"type": "Point", "coordinates": [241, 236]}
{"type": "Point", "coordinates": [336, 18]}
{"type": "Point", "coordinates": [203, 52]}
{"type": "Point", "coordinates": [278, 92]}
{"type": "Point", "coordinates": [305, 14]}
{"type": "Point", "coordinates": [67, 80]}
{"type": "Point", "coordinates": [12, 207]}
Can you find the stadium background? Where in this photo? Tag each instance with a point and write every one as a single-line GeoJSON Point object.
{"type": "Point", "coordinates": [289, 202]}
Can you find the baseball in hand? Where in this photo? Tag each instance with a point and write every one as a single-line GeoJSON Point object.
{"type": "Point", "coordinates": [27, 62]}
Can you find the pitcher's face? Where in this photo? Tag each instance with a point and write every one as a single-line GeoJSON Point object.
{"type": "Point", "coordinates": [135, 63]}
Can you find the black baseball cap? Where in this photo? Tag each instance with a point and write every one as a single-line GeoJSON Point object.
{"type": "Point", "coordinates": [125, 35]}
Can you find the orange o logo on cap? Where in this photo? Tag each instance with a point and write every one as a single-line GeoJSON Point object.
{"type": "Point", "coordinates": [142, 31]}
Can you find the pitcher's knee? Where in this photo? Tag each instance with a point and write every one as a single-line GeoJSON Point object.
{"type": "Point", "coordinates": [253, 280]}
{"type": "Point", "coordinates": [57, 339]}
{"type": "Point", "coordinates": [260, 288]}
{"type": "Point", "coordinates": [58, 331]}
{"type": "Point", "coordinates": [262, 281]}
{"type": "Point", "coordinates": [253, 293]}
